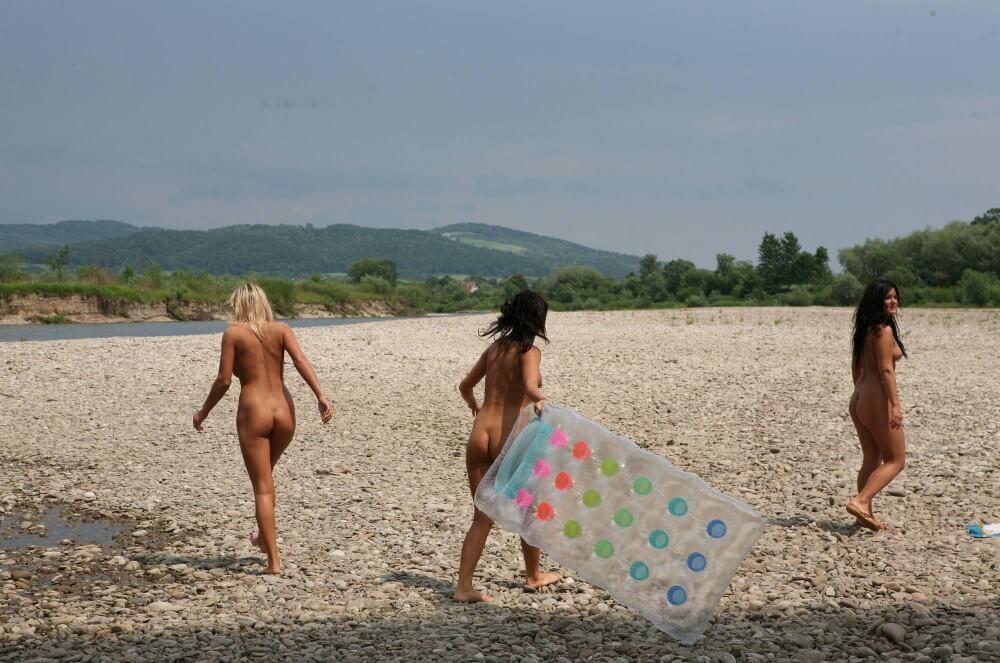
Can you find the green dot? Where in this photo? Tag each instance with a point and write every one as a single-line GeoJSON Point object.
{"type": "Point", "coordinates": [642, 486]}
{"type": "Point", "coordinates": [609, 466]}
{"type": "Point", "coordinates": [623, 517]}
{"type": "Point", "coordinates": [604, 549]}
{"type": "Point", "coordinates": [591, 497]}
{"type": "Point", "coordinates": [572, 529]}
{"type": "Point", "coordinates": [678, 506]}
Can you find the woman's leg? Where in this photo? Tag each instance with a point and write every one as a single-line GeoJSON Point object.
{"type": "Point", "coordinates": [477, 462]}
{"type": "Point", "coordinates": [257, 457]}
{"type": "Point", "coordinates": [892, 448]}
{"type": "Point", "coordinates": [532, 568]}
{"type": "Point", "coordinates": [871, 457]}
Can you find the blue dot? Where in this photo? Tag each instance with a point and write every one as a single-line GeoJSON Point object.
{"type": "Point", "coordinates": [678, 506]}
{"type": "Point", "coordinates": [716, 529]}
{"type": "Point", "coordinates": [676, 595]}
{"type": "Point", "coordinates": [639, 571]}
{"type": "Point", "coordinates": [697, 562]}
{"type": "Point", "coordinates": [658, 538]}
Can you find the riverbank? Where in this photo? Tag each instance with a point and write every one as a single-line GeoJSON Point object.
{"type": "Point", "coordinates": [32, 308]}
{"type": "Point", "coordinates": [372, 508]}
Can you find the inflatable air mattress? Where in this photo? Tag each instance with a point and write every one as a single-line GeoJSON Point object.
{"type": "Point", "coordinates": [660, 540]}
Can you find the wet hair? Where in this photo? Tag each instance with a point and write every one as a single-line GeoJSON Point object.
{"type": "Point", "coordinates": [250, 306]}
{"type": "Point", "coordinates": [522, 319]}
{"type": "Point", "coordinates": [871, 314]}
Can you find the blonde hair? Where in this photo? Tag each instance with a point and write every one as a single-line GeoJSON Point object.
{"type": "Point", "coordinates": [250, 306]}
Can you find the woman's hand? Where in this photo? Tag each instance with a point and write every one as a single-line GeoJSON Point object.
{"type": "Point", "coordinates": [895, 417]}
{"type": "Point", "coordinates": [325, 409]}
{"type": "Point", "coordinates": [474, 407]}
{"type": "Point", "coordinates": [197, 420]}
{"type": "Point", "coordinates": [539, 406]}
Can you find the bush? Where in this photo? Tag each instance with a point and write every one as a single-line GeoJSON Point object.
{"type": "Point", "coordinates": [281, 294]}
{"type": "Point", "coordinates": [975, 287]}
{"type": "Point", "coordinates": [846, 289]}
{"type": "Point", "coordinates": [10, 267]}
{"type": "Point", "coordinates": [377, 267]}
{"type": "Point", "coordinates": [797, 295]}
{"type": "Point", "coordinates": [376, 285]}
{"type": "Point", "coordinates": [693, 301]}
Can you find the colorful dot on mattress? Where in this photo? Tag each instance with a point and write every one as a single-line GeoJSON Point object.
{"type": "Point", "coordinates": [716, 529]}
{"type": "Point", "coordinates": [572, 529]}
{"type": "Point", "coordinates": [609, 466]}
{"type": "Point", "coordinates": [542, 468]}
{"type": "Point", "coordinates": [642, 486]}
{"type": "Point", "coordinates": [591, 497]}
{"type": "Point", "coordinates": [545, 511]}
{"type": "Point", "coordinates": [678, 506]}
{"type": "Point", "coordinates": [604, 549]}
{"type": "Point", "coordinates": [676, 595]}
{"type": "Point", "coordinates": [697, 562]}
{"type": "Point", "coordinates": [523, 499]}
{"type": "Point", "coordinates": [581, 451]}
{"type": "Point", "coordinates": [564, 481]}
{"type": "Point", "coordinates": [638, 571]}
{"type": "Point", "coordinates": [623, 517]}
{"type": "Point", "coordinates": [558, 438]}
{"type": "Point", "coordinates": [658, 539]}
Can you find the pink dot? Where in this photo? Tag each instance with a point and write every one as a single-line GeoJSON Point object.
{"type": "Point", "coordinates": [559, 438]}
{"type": "Point", "coordinates": [523, 499]}
{"type": "Point", "coordinates": [542, 468]}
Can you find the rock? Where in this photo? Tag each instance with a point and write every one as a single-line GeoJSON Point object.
{"type": "Point", "coordinates": [896, 491]}
{"type": "Point", "coordinates": [20, 574]}
{"type": "Point", "coordinates": [894, 633]}
{"type": "Point", "coordinates": [163, 606]}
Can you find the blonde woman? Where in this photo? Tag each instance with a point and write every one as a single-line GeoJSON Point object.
{"type": "Point", "coordinates": [253, 348]}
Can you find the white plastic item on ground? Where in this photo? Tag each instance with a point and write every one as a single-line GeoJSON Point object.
{"type": "Point", "coordinates": [659, 539]}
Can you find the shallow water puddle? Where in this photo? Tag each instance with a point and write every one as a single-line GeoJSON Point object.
{"type": "Point", "coordinates": [20, 530]}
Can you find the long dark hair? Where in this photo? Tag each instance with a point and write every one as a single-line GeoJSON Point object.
{"type": "Point", "coordinates": [870, 315]}
{"type": "Point", "coordinates": [522, 318]}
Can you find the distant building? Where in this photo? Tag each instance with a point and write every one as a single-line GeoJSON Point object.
{"type": "Point", "coordinates": [470, 286]}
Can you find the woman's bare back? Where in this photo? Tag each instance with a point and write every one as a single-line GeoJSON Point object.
{"type": "Point", "coordinates": [265, 404]}
{"type": "Point", "coordinates": [505, 397]}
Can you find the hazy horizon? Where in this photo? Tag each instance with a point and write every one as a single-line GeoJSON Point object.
{"type": "Point", "coordinates": [681, 130]}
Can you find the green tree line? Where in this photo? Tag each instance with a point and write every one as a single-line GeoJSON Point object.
{"type": "Point", "coordinates": [958, 264]}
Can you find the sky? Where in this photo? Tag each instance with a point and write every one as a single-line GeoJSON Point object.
{"type": "Point", "coordinates": [683, 129]}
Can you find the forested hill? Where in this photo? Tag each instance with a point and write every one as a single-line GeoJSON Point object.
{"type": "Point", "coordinates": [555, 251]}
{"type": "Point", "coordinates": [301, 250]}
{"type": "Point", "coordinates": [24, 235]}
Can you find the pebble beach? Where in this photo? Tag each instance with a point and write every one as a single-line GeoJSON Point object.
{"type": "Point", "coordinates": [372, 508]}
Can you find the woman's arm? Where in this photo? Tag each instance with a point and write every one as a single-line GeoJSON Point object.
{"type": "Point", "coordinates": [884, 346]}
{"type": "Point", "coordinates": [221, 383]}
{"type": "Point", "coordinates": [468, 384]}
{"type": "Point", "coordinates": [531, 375]}
{"type": "Point", "coordinates": [305, 369]}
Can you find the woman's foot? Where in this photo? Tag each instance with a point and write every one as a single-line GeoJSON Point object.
{"type": "Point", "coordinates": [540, 580]}
{"type": "Point", "coordinates": [470, 596]}
{"type": "Point", "coordinates": [255, 541]}
{"type": "Point", "coordinates": [272, 571]}
{"type": "Point", "coordinates": [863, 516]}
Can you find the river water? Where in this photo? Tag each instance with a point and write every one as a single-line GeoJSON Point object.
{"type": "Point", "coordinates": [15, 333]}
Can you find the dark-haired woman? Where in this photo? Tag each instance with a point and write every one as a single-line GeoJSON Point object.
{"type": "Point", "coordinates": [875, 407]}
{"type": "Point", "coordinates": [511, 368]}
